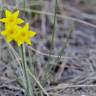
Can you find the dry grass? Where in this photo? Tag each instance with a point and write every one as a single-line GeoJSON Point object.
{"type": "Point", "coordinates": [72, 60]}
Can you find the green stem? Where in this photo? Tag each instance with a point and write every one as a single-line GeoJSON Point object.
{"type": "Point", "coordinates": [28, 79]}
{"type": "Point", "coordinates": [25, 70]}
{"type": "Point", "coordinates": [24, 4]}
{"type": "Point", "coordinates": [48, 67]}
{"type": "Point", "coordinates": [54, 29]}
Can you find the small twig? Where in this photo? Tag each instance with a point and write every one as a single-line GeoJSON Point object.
{"type": "Point", "coordinates": [11, 87]}
{"type": "Point", "coordinates": [63, 86]}
{"type": "Point", "coordinates": [54, 56]}
{"type": "Point", "coordinates": [45, 92]}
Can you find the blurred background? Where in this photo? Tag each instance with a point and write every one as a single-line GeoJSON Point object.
{"type": "Point", "coordinates": [74, 41]}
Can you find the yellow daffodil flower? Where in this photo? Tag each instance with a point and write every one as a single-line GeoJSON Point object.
{"type": "Point", "coordinates": [24, 35]}
{"type": "Point", "coordinates": [14, 32]}
{"type": "Point", "coordinates": [11, 18]}
{"type": "Point", "coordinates": [10, 32]}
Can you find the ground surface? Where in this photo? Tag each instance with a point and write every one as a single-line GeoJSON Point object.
{"type": "Point", "coordinates": [76, 71]}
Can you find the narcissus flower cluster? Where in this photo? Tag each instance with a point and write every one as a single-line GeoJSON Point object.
{"type": "Point", "coordinates": [13, 31]}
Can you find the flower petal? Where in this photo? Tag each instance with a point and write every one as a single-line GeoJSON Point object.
{"type": "Point", "coordinates": [3, 33]}
{"type": "Point", "coordinates": [3, 20]}
{"type": "Point", "coordinates": [32, 34]}
{"type": "Point", "coordinates": [8, 39]}
{"type": "Point", "coordinates": [28, 42]}
{"type": "Point", "coordinates": [16, 14]}
{"type": "Point", "coordinates": [19, 43]}
{"type": "Point", "coordinates": [8, 13]}
{"type": "Point", "coordinates": [19, 21]}
{"type": "Point", "coordinates": [26, 27]}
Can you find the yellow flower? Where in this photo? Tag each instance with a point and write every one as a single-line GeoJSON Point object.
{"type": "Point", "coordinates": [24, 35]}
{"type": "Point", "coordinates": [10, 32]}
{"type": "Point", "coordinates": [11, 18]}
{"type": "Point", "coordinates": [14, 32]}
